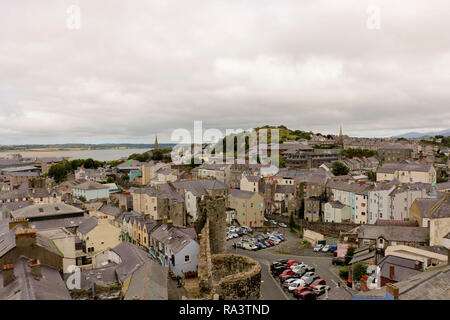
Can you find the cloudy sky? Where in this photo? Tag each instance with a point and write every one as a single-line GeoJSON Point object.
{"type": "Point", "coordinates": [137, 68]}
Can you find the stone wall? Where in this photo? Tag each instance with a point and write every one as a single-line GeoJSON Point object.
{"type": "Point", "coordinates": [204, 268]}
{"type": "Point", "coordinates": [331, 229]}
{"type": "Point", "coordinates": [226, 276]}
{"type": "Point", "coordinates": [236, 277]}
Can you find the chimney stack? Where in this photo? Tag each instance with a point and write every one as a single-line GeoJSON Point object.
{"type": "Point", "coordinates": [18, 221]}
{"type": "Point", "coordinates": [8, 274]}
{"type": "Point", "coordinates": [25, 238]}
{"type": "Point", "coordinates": [393, 290]}
{"type": "Point", "coordinates": [391, 272]}
{"type": "Point", "coordinates": [169, 223]}
{"type": "Point", "coordinates": [35, 266]}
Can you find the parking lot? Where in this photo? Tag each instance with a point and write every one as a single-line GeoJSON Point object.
{"type": "Point", "coordinates": [271, 289]}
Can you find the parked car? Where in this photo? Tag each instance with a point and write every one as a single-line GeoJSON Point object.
{"type": "Point", "coordinates": [300, 290]}
{"type": "Point", "coordinates": [249, 246]}
{"type": "Point", "coordinates": [283, 225]}
{"type": "Point", "coordinates": [265, 219]}
{"type": "Point", "coordinates": [338, 261]}
{"type": "Point", "coordinates": [309, 280]}
{"type": "Point", "coordinates": [273, 222]}
{"type": "Point", "coordinates": [326, 248]}
{"type": "Point", "coordinates": [318, 248]}
{"type": "Point", "coordinates": [292, 261]}
{"type": "Point", "coordinates": [271, 242]}
{"type": "Point", "coordinates": [306, 296]}
{"type": "Point", "coordinates": [318, 282]}
{"type": "Point", "coordinates": [320, 289]}
{"type": "Point", "coordinates": [295, 285]}
{"type": "Point", "coordinates": [237, 245]}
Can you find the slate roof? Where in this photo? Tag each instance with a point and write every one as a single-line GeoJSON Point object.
{"type": "Point", "coordinates": [45, 210]}
{"type": "Point", "coordinates": [90, 185]}
{"type": "Point", "coordinates": [16, 205]}
{"type": "Point", "coordinates": [14, 194]}
{"type": "Point", "coordinates": [172, 238]}
{"type": "Point", "coordinates": [425, 205]}
{"type": "Point", "coordinates": [71, 222]}
{"type": "Point", "coordinates": [148, 282]}
{"type": "Point", "coordinates": [403, 268]}
{"type": "Point", "coordinates": [362, 257]}
{"type": "Point", "coordinates": [26, 287]}
{"type": "Point", "coordinates": [110, 210]}
{"type": "Point", "coordinates": [199, 187]}
{"type": "Point", "coordinates": [132, 258]}
{"type": "Point", "coordinates": [441, 209]}
{"type": "Point", "coordinates": [428, 285]}
{"type": "Point", "coordinates": [393, 233]}
{"type": "Point", "coordinates": [392, 167]}
{"type": "Point", "coordinates": [242, 194]}
{"type": "Point", "coordinates": [87, 225]}
{"type": "Point", "coordinates": [284, 188]}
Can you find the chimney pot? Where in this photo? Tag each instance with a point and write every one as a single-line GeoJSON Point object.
{"type": "Point", "coordinates": [35, 266]}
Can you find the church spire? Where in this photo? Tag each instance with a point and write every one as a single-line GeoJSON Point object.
{"type": "Point", "coordinates": [156, 143]}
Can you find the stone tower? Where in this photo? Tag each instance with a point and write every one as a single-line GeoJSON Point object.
{"type": "Point", "coordinates": [341, 138]}
{"type": "Point", "coordinates": [156, 143]}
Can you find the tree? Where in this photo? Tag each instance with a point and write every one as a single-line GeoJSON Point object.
{"type": "Point", "coordinates": [157, 155]}
{"type": "Point", "coordinates": [343, 272]}
{"type": "Point", "coordinates": [82, 198]}
{"type": "Point", "coordinates": [349, 255]}
{"type": "Point", "coordinates": [340, 169]}
{"type": "Point", "coordinates": [292, 223]}
{"type": "Point", "coordinates": [372, 176]}
{"type": "Point", "coordinates": [58, 172]}
{"type": "Point", "coordinates": [89, 163]}
{"type": "Point", "coordinates": [359, 269]}
{"type": "Point", "coordinates": [282, 162]}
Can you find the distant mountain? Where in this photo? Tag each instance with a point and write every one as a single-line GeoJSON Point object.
{"type": "Point", "coordinates": [414, 135]}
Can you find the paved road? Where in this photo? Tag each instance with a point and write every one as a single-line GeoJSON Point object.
{"type": "Point", "coordinates": [270, 288]}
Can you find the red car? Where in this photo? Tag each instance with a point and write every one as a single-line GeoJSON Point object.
{"type": "Point", "coordinates": [291, 262]}
{"type": "Point", "coordinates": [271, 242]}
{"type": "Point", "coordinates": [307, 296]}
{"type": "Point", "coordinates": [300, 290]}
{"type": "Point", "coordinates": [286, 273]}
{"type": "Point", "coordinates": [318, 282]}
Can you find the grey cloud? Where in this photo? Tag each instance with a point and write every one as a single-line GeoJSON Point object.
{"type": "Point", "coordinates": [139, 68]}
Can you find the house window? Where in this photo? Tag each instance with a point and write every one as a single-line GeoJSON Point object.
{"type": "Point", "coordinates": [187, 258]}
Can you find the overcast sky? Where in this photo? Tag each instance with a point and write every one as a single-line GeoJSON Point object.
{"type": "Point", "coordinates": [137, 68]}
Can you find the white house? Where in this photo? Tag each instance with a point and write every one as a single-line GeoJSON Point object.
{"type": "Point", "coordinates": [91, 190]}
{"type": "Point", "coordinates": [176, 249]}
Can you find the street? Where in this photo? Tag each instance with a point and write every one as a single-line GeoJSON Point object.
{"type": "Point", "coordinates": [270, 287]}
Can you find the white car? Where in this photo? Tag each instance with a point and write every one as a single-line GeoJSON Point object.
{"type": "Point", "coordinates": [249, 246]}
{"type": "Point", "coordinates": [273, 222]}
{"type": "Point", "coordinates": [320, 289]}
{"type": "Point", "coordinates": [265, 219]}
{"type": "Point", "coordinates": [326, 248]}
{"type": "Point", "coordinates": [283, 225]}
{"type": "Point", "coordinates": [318, 248]}
{"type": "Point", "coordinates": [296, 284]}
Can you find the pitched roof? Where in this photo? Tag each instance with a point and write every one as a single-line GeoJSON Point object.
{"type": "Point", "coordinates": [110, 210]}
{"type": "Point", "coordinates": [403, 268]}
{"type": "Point", "coordinates": [46, 210]}
{"type": "Point", "coordinates": [441, 209]}
{"type": "Point", "coordinates": [393, 233]}
{"type": "Point", "coordinates": [132, 258]}
{"type": "Point", "coordinates": [87, 225]}
{"type": "Point", "coordinates": [172, 237]}
{"type": "Point", "coordinates": [27, 287]}
{"type": "Point", "coordinates": [242, 194]}
{"type": "Point", "coordinates": [90, 185]}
